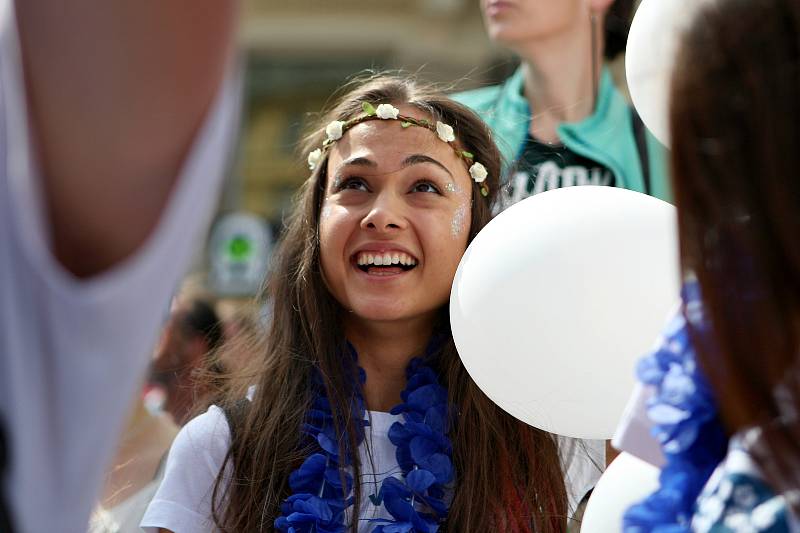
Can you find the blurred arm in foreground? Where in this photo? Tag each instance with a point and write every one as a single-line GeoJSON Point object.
{"type": "Point", "coordinates": [116, 122]}
{"type": "Point", "coordinates": [117, 92]}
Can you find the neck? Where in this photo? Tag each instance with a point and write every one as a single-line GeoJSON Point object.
{"type": "Point", "coordinates": [561, 77]}
{"type": "Point", "coordinates": [384, 351]}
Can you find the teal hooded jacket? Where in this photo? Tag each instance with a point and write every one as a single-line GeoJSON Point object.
{"type": "Point", "coordinates": [607, 136]}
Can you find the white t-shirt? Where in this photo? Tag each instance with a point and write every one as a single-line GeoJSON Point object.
{"type": "Point", "coordinates": [183, 502]}
{"type": "Point", "coordinates": [74, 351]}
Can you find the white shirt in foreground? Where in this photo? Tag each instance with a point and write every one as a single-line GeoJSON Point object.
{"type": "Point", "coordinates": [183, 502]}
{"type": "Point", "coordinates": [73, 351]}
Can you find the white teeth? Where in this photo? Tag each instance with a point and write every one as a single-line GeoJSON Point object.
{"type": "Point", "coordinates": [385, 259]}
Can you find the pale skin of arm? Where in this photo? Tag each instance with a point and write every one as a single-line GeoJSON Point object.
{"type": "Point", "coordinates": [117, 92]}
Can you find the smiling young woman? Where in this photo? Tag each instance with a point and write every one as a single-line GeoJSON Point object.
{"type": "Point", "coordinates": [362, 417]}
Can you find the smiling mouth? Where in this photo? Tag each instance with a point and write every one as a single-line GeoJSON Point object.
{"type": "Point", "coordinates": [384, 263]}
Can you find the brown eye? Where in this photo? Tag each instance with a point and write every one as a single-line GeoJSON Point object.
{"type": "Point", "coordinates": [425, 186]}
{"type": "Point", "coordinates": [351, 184]}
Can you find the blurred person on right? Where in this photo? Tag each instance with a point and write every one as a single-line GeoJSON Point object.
{"type": "Point", "coordinates": [725, 383]}
{"type": "Point", "coordinates": [559, 120]}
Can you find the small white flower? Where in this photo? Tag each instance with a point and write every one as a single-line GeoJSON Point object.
{"type": "Point", "coordinates": [334, 130]}
{"type": "Point", "coordinates": [478, 172]}
{"type": "Point", "coordinates": [711, 508]}
{"type": "Point", "coordinates": [766, 514]}
{"type": "Point", "coordinates": [445, 132]}
{"type": "Point", "coordinates": [387, 111]}
{"type": "Point", "coordinates": [314, 158]}
{"type": "Point", "coordinates": [739, 522]}
{"type": "Point", "coordinates": [725, 489]}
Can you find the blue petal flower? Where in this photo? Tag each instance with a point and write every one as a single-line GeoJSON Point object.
{"type": "Point", "coordinates": [308, 514]}
{"type": "Point", "coordinates": [664, 414]}
{"type": "Point", "coordinates": [420, 480]}
{"type": "Point", "coordinates": [422, 447]}
{"type": "Point", "coordinates": [307, 477]}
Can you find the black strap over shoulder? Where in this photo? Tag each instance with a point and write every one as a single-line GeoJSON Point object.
{"type": "Point", "coordinates": [5, 509]}
{"type": "Point", "coordinates": [640, 134]}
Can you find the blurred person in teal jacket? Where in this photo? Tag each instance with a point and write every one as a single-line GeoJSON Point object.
{"type": "Point", "coordinates": [559, 119]}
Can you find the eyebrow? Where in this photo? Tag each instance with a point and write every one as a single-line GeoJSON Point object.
{"type": "Point", "coordinates": [358, 162]}
{"type": "Point", "coordinates": [413, 159]}
{"type": "Point", "coordinates": [416, 159]}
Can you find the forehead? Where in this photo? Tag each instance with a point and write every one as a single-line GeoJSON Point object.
{"type": "Point", "coordinates": [388, 144]}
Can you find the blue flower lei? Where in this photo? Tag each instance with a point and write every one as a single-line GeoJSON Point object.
{"type": "Point", "coordinates": [686, 424]}
{"type": "Point", "coordinates": [416, 502]}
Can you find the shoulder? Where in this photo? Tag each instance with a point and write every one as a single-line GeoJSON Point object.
{"type": "Point", "coordinates": [199, 450]}
{"type": "Point", "coordinates": [185, 498]}
{"type": "Point", "coordinates": [207, 434]}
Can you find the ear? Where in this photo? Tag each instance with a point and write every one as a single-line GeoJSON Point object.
{"type": "Point", "coordinates": [599, 6]}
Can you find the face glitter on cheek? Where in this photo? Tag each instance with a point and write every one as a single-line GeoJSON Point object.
{"type": "Point", "coordinates": [457, 226]}
{"type": "Point", "coordinates": [326, 212]}
{"type": "Point", "coordinates": [450, 187]}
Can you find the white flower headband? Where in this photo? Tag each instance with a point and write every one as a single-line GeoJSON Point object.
{"type": "Point", "coordinates": [337, 128]}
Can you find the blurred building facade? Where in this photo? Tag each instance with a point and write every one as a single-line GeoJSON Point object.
{"type": "Point", "coordinates": [298, 52]}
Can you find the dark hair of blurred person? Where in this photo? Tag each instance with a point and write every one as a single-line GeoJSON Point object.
{"type": "Point", "coordinates": [190, 337]}
{"type": "Point", "coordinates": [735, 125]}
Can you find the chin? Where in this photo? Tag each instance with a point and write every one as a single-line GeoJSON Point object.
{"type": "Point", "coordinates": [373, 314]}
{"type": "Point", "coordinates": [508, 36]}
{"type": "Point", "coordinates": [387, 311]}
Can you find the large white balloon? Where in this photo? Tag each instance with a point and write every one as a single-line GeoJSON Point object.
{"type": "Point", "coordinates": [557, 297]}
{"type": "Point", "coordinates": [626, 481]}
{"type": "Point", "coordinates": [650, 58]}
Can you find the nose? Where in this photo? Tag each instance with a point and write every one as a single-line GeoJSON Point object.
{"type": "Point", "coordinates": [386, 214]}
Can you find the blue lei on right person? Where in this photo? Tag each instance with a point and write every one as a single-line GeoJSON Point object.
{"type": "Point", "coordinates": [693, 440]}
{"type": "Point", "coordinates": [685, 420]}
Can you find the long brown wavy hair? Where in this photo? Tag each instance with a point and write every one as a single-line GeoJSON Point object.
{"type": "Point", "coordinates": [735, 128]}
{"type": "Point", "coordinates": [508, 476]}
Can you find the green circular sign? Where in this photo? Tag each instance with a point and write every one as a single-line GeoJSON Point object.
{"type": "Point", "coordinates": [239, 248]}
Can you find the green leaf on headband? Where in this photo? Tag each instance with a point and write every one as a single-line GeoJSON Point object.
{"type": "Point", "coordinates": [368, 108]}
{"type": "Point", "coordinates": [468, 155]}
{"type": "Point", "coordinates": [405, 124]}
